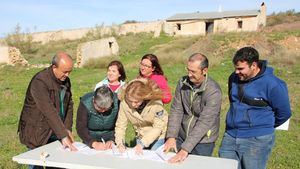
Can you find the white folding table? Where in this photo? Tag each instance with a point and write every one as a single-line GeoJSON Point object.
{"type": "Point", "coordinates": [73, 160]}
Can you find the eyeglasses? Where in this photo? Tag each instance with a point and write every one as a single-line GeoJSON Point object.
{"type": "Point", "coordinates": [144, 65]}
{"type": "Point", "coordinates": [190, 71]}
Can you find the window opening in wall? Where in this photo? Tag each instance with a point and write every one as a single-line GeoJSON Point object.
{"type": "Point", "coordinates": [240, 24]}
{"type": "Point", "coordinates": [209, 27]}
{"type": "Point", "coordinates": [179, 26]}
{"type": "Point", "coordinates": [110, 44]}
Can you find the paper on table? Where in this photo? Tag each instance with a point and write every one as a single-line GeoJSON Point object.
{"type": "Point", "coordinates": [129, 153]}
{"type": "Point", "coordinates": [83, 149]}
{"type": "Point", "coordinates": [115, 152]}
{"type": "Point", "coordinates": [164, 156]}
{"type": "Point", "coordinates": [157, 155]}
{"type": "Point", "coordinates": [284, 126]}
{"type": "Point", "coordinates": [147, 155]}
{"type": "Point", "coordinates": [80, 146]}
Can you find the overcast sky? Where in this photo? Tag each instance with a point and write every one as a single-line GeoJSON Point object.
{"type": "Point", "coordinates": [45, 15]}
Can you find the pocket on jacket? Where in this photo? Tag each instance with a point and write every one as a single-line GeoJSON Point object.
{"type": "Point", "coordinates": [261, 118]}
{"type": "Point", "coordinates": [39, 133]}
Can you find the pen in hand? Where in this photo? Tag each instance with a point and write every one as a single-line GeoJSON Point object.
{"type": "Point", "coordinates": [102, 140]}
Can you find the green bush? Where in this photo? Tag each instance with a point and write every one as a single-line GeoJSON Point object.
{"type": "Point", "coordinates": [22, 41]}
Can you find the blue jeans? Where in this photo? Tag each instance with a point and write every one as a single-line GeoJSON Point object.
{"type": "Point", "coordinates": [155, 145]}
{"type": "Point", "coordinates": [251, 153]}
{"type": "Point", "coordinates": [203, 149]}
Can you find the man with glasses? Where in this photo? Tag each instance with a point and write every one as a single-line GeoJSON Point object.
{"type": "Point", "coordinates": [194, 118]}
{"type": "Point", "coordinates": [96, 118]}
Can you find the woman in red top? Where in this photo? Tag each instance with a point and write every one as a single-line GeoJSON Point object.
{"type": "Point", "coordinates": [150, 68]}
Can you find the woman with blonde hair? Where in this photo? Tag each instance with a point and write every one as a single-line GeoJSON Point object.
{"type": "Point", "coordinates": [141, 105]}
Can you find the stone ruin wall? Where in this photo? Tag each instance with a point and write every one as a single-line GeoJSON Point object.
{"type": "Point", "coordinates": [96, 49]}
{"type": "Point", "coordinates": [154, 27]}
{"type": "Point", "coordinates": [11, 56]}
{"type": "Point", "coordinates": [45, 37]}
{"type": "Point", "coordinates": [148, 27]}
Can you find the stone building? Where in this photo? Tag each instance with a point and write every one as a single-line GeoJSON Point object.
{"type": "Point", "coordinates": [213, 22]}
{"type": "Point", "coordinates": [197, 23]}
{"type": "Point", "coordinates": [96, 49]}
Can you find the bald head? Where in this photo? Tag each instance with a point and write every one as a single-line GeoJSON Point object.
{"type": "Point", "coordinates": [61, 57]}
{"type": "Point", "coordinates": [62, 65]}
{"type": "Point", "coordinates": [201, 58]}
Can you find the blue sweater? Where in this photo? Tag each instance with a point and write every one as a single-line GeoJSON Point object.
{"type": "Point", "coordinates": [244, 120]}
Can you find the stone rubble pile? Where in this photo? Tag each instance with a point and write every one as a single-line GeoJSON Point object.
{"type": "Point", "coordinates": [15, 57]}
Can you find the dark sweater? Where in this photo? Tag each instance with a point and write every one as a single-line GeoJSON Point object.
{"type": "Point", "coordinates": [93, 126]}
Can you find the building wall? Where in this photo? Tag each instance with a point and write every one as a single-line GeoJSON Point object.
{"type": "Point", "coordinates": [231, 24]}
{"type": "Point", "coordinates": [187, 28]}
{"type": "Point", "coordinates": [262, 17]}
{"type": "Point", "coordinates": [4, 55]}
{"type": "Point", "coordinates": [194, 27]}
{"type": "Point", "coordinates": [96, 49]}
{"type": "Point", "coordinates": [148, 27]}
{"type": "Point", "coordinates": [73, 34]}
{"type": "Point", "coordinates": [45, 37]}
{"type": "Point", "coordinates": [220, 25]}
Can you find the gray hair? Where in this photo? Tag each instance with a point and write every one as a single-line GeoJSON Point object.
{"type": "Point", "coordinates": [103, 97]}
{"type": "Point", "coordinates": [57, 57]}
{"type": "Point", "coordinates": [199, 57]}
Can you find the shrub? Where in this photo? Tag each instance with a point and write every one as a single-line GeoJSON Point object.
{"type": "Point", "coordinates": [22, 41]}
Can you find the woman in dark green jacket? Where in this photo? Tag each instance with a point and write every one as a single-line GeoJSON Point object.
{"type": "Point", "coordinates": [96, 118]}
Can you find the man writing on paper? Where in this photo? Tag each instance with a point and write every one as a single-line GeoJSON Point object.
{"type": "Point", "coordinates": [194, 119]}
{"type": "Point", "coordinates": [47, 113]}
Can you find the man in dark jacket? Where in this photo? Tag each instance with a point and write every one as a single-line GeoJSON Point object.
{"type": "Point", "coordinates": [47, 113]}
{"type": "Point", "coordinates": [194, 119]}
{"type": "Point", "coordinates": [96, 118]}
{"type": "Point", "coordinates": [259, 102]}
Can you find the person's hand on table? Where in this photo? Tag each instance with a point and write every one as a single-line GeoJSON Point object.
{"type": "Point", "coordinates": [179, 157]}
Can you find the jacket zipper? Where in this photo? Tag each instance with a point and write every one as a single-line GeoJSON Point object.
{"type": "Point", "coordinates": [191, 107]}
{"type": "Point", "coordinates": [233, 115]}
{"type": "Point", "coordinates": [233, 112]}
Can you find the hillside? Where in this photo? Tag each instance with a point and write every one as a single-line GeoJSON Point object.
{"type": "Point", "coordinates": [279, 44]}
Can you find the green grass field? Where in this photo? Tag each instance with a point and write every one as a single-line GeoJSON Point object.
{"type": "Point", "coordinates": [218, 48]}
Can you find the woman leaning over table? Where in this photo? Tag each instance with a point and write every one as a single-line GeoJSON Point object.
{"type": "Point", "coordinates": [141, 106]}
